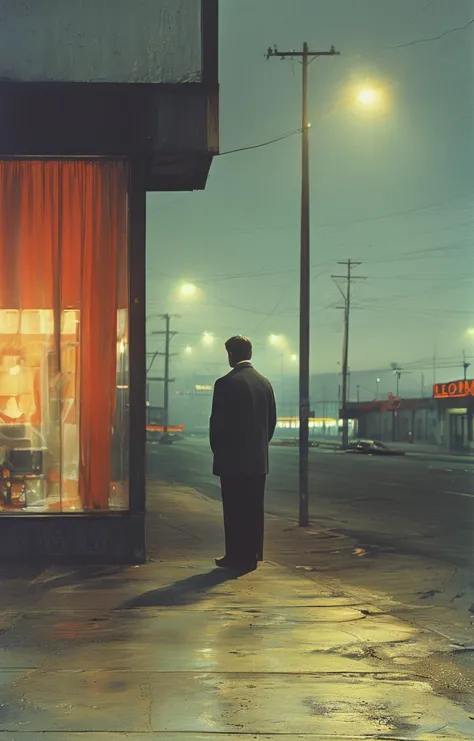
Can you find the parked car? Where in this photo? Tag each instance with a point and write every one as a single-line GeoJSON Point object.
{"type": "Point", "coordinates": [372, 447]}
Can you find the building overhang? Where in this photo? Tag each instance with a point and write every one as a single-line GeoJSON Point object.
{"type": "Point", "coordinates": [173, 129]}
{"type": "Point", "coordinates": [57, 109]}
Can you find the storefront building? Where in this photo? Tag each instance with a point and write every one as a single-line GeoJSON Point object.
{"type": "Point", "coordinates": [397, 420]}
{"type": "Point", "coordinates": [97, 109]}
{"type": "Point", "coordinates": [455, 402]}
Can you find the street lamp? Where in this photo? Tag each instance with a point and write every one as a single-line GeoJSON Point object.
{"type": "Point", "coordinates": [208, 338]}
{"type": "Point", "coordinates": [275, 340]}
{"type": "Point", "coordinates": [370, 99]}
{"type": "Point", "coordinates": [368, 96]}
{"type": "Point", "coordinates": [188, 290]}
{"type": "Point", "coordinates": [188, 349]}
{"type": "Point", "coordinates": [377, 394]}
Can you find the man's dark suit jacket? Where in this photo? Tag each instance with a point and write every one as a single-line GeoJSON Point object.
{"type": "Point", "coordinates": [243, 421]}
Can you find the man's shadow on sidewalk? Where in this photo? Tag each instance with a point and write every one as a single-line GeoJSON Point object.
{"type": "Point", "coordinates": [184, 592]}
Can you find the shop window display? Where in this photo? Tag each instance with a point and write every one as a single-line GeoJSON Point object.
{"type": "Point", "coordinates": [63, 336]}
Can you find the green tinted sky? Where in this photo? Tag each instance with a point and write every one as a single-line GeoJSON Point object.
{"type": "Point", "coordinates": [393, 191]}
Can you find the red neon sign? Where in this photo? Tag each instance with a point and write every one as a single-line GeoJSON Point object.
{"type": "Point", "coordinates": [453, 390]}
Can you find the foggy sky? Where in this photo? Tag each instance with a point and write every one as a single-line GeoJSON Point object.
{"type": "Point", "coordinates": [393, 191]}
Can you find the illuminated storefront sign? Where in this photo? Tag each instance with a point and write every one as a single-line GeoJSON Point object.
{"type": "Point", "coordinates": [453, 390]}
{"type": "Point", "coordinates": [314, 423]}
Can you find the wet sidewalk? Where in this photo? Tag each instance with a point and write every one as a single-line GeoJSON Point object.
{"type": "Point", "coordinates": [177, 650]}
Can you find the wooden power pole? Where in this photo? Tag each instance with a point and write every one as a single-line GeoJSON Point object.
{"type": "Point", "coordinates": [306, 57]}
{"type": "Point", "coordinates": [346, 294]}
{"type": "Point", "coordinates": [168, 334]}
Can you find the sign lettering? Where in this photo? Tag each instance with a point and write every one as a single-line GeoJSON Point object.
{"type": "Point", "coordinates": [454, 390]}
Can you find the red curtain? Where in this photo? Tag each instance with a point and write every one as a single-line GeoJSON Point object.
{"type": "Point", "coordinates": [63, 245]}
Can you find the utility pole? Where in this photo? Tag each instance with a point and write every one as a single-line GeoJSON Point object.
{"type": "Point", "coordinates": [153, 355]}
{"type": "Point", "coordinates": [349, 278]}
{"type": "Point", "coordinates": [306, 57]}
{"type": "Point", "coordinates": [397, 371]}
{"type": "Point", "coordinates": [166, 391]}
{"type": "Point", "coordinates": [166, 378]}
{"type": "Point", "coordinates": [465, 364]}
{"type": "Point", "coordinates": [282, 380]}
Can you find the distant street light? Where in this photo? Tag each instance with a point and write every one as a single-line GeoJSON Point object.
{"type": "Point", "coordinates": [188, 349]}
{"type": "Point", "coordinates": [275, 340]}
{"type": "Point", "coordinates": [377, 394]}
{"type": "Point", "coordinates": [208, 338]}
{"type": "Point", "coordinates": [294, 358]}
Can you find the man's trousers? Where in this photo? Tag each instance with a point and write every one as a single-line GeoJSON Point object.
{"type": "Point", "coordinates": [242, 500]}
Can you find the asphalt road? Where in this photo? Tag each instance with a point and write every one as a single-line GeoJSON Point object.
{"type": "Point", "coordinates": [415, 505]}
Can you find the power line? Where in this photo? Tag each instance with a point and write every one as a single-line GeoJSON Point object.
{"type": "Point", "coordinates": [417, 254]}
{"type": "Point", "coordinates": [394, 214]}
{"type": "Point", "coordinates": [419, 11]}
{"type": "Point", "coordinates": [433, 38]}
{"type": "Point", "coordinates": [262, 144]}
{"type": "Point", "coordinates": [368, 219]}
{"type": "Point", "coordinates": [226, 305]}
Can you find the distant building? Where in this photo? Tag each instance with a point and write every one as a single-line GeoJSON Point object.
{"type": "Point", "coordinates": [445, 420]}
{"type": "Point", "coordinates": [191, 401]}
{"type": "Point", "coordinates": [455, 403]}
{"type": "Point", "coordinates": [397, 420]}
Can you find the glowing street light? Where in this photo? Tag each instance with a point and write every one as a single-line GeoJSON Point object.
{"type": "Point", "coordinates": [294, 358]}
{"type": "Point", "coordinates": [188, 290]}
{"type": "Point", "coordinates": [188, 349]}
{"type": "Point", "coordinates": [208, 338]}
{"type": "Point", "coordinates": [368, 96]}
{"type": "Point", "coordinates": [370, 99]}
{"type": "Point", "coordinates": [275, 340]}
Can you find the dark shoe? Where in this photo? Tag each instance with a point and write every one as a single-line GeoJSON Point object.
{"type": "Point", "coordinates": [242, 567]}
{"type": "Point", "coordinates": [225, 563]}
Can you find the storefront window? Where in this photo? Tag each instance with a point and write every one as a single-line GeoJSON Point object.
{"type": "Point", "coordinates": [63, 336]}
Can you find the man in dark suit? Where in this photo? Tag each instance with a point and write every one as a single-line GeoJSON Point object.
{"type": "Point", "coordinates": [243, 421]}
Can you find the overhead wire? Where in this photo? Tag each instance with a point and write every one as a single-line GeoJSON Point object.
{"type": "Point", "coordinates": [368, 219]}
{"type": "Point", "coordinates": [261, 144]}
{"type": "Point", "coordinates": [430, 39]}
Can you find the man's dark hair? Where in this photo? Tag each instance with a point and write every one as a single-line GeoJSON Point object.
{"type": "Point", "coordinates": [240, 348]}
